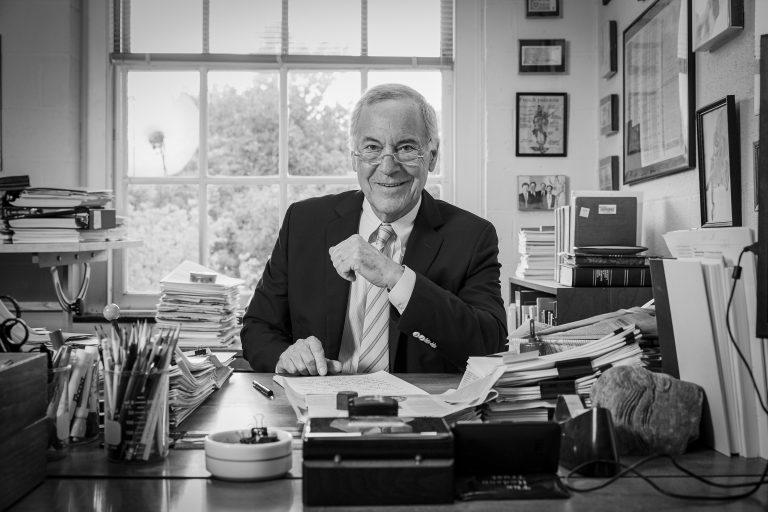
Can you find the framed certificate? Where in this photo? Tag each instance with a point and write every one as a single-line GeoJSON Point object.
{"type": "Point", "coordinates": [542, 56]}
{"type": "Point", "coordinates": [542, 8]}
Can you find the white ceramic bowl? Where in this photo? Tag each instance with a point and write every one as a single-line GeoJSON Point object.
{"type": "Point", "coordinates": [228, 459]}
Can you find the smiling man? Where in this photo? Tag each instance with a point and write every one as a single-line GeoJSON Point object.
{"type": "Point", "coordinates": [385, 278]}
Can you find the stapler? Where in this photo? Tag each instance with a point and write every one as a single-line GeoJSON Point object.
{"type": "Point", "coordinates": [587, 435]}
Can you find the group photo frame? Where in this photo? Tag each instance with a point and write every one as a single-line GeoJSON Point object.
{"type": "Point", "coordinates": [542, 56]}
{"type": "Point", "coordinates": [541, 192]}
{"type": "Point", "coordinates": [541, 124]}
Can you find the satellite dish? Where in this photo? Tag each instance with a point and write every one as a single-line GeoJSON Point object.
{"type": "Point", "coordinates": [163, 133]}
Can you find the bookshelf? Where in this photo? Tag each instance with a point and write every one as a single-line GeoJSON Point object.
{"type": "Point", "coordinates": [576, 303]}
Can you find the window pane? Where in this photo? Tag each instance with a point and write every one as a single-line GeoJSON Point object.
{"type": "Point", "coordinates": [166, 26]}
{"type": "Point", "coordinates": [299, 192]}
{"type": "Point", "coordinates": [329, 27]}
{"type": "Point", "coordinates": [242, 225]}
{"type": "Point", "coordinates": [417, 25]}
{"type": "Point", "coordinates": [165, 218]}
{"type": "Point", "coordinates": [243, 118]}
{"type": "Point", "coordinates": [245, 26]}
{"type": "Point", "coordinates": [319, 106]}
{"type": "Point", "coordinates": [163, 123]}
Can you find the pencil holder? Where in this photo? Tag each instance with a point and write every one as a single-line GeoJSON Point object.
{"type": "Point", "coordinates": [57, 413]}
{"type": "Point", "coordinates": [136, 415]}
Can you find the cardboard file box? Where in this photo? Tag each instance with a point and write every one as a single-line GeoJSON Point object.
{"type": "Point", "coordinates": [377, 460]}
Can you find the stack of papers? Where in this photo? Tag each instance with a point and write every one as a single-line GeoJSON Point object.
{"type": "Point", "coordinates": [61, 198]}
{"type": "Point", "coordinates": [192, 379]}
{"type": "Point", "coordinates": [204, 311]}
{"type": "Point", "coordinates": [537, 253]}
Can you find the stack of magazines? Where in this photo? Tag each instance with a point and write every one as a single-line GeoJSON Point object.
{"type": "Point", "coordinates": [203, 303]}
{"type": "Point", "coordinates": [194, 378]}
{"type": "Point", "coordinates": [537, 253]}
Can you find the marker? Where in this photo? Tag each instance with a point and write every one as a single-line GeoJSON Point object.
{"type": "Point", "coordinates": [264, 390]}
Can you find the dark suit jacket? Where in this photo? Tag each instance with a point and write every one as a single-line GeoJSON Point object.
{"type": "Point", "coordinates": [456, 301]}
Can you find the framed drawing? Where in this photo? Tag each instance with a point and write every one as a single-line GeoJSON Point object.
{"type": "Point", "coordinates": [608, 49]}
{"type": "Point", "coordinates": [542, 192]}
{"type": "Point", "coordinates": [608, 173]}
{"type": "Point", "coordinates": [542, 8]}
{"type": "Point", "coordinates": [609, 114]}
{"type": "Point", "coordinates": [541, 124]}
{"type": "Point", "coordinates": [658, 93]}
{"type": "Point", "coordinates": [719, 164]}
{"type": "Point", "coordinates": [715, 22]}
{"type": "Point", "coordinates": [542, 56]}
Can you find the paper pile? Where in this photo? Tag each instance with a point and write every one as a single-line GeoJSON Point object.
{"type": "Point", "coordinates": [537, 253]}
{"type": "Point", "coordinates": [204, 310]}
{"type": "Point", "coordinates": [192, 379]}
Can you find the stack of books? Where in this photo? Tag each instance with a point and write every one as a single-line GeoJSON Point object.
{"type": "Point", "coordinates": [537, 252]}
{"type": "Point", "coordinates": [203, 303]}
{"type": "Point", "coordinates": [605, 266]}
{"type": "Point", "coordinates": [193, 378]}
{"type": "Point", "coordinates": [51, 215]}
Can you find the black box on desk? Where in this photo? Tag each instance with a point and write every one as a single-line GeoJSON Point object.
{"type": "Point", "coordinates": [23, 429]}
{"type": "Point", "coordinates": [377, 460]}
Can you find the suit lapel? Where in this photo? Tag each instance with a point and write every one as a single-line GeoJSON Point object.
{"type": "Point", "coordinates": [336, 288]}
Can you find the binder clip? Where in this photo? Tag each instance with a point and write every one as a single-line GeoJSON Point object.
{"type": "Point", "coordinates": [589, 441]}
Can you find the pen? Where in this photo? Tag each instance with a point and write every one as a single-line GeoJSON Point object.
{"type": "Point", "coordinates": [264, 390]}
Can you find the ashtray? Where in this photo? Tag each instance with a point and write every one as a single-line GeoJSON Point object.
{"type": "Point", "coordinates": [229, 459]}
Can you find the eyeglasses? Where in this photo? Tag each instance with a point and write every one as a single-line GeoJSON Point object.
{"type": "Point", "coordinates": [406, 154]}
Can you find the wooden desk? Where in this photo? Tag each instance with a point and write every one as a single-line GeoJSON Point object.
{"type": "Point", "coordinates": [84, 480]}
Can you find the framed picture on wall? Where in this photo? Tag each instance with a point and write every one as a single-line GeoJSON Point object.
{"type": "Point", "coordinates": [719, 164]}
{"type": "Point", "coordinates": [541, 124]}
{"type": "Point", "coordinates": [608, 173]}
{"type": "Point", "coordinates": [658, 116]}
{"type": "Point", "coordinates": [542, 8]}
{"type": "Point", "coordinates": [542, 192]}
{"type": "Point", "coordinates": [608, 49]}
{"type": "Point", "coordinates": [542, 56]}
{"type": "Point", "coordinates": [609, 114]}
{"type": "Point", "coordinates": [715, 22]}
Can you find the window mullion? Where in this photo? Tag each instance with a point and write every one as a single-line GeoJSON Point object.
{"type": "Point", "coordinates": [283, 142]}
{"type": "Point", "coordinates": [206, 26]}
{"type": "Point", "coordinates": [203, 169]}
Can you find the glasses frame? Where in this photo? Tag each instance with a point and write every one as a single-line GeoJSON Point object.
{"type": "Point", "coordinates": [382, 156]}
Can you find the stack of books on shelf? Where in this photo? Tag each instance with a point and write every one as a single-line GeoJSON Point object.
{"type": "Point", "coordinates": [51, 215]}
{"type": "Point", "coordinates": [605, 266]}
{"type": "Point", "coordinates": [193, 378]}
{"type": "Point", "coordinates": [537, 252]}
{"type": "Point", "coordinates": [203, 303]}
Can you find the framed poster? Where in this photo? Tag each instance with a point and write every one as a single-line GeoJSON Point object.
{"type": "Point", "coordinates": [719, 164]}
{"type": "Point", "coordinates": [715, 22]}
{"type": "Point", "coordinates": [542, 8]}
{"type": "Point", "coordinates": [608, 173]}
{"type": "Point", "coordinates": [609, 114]}
{"type": "Point", "coordinates": [542, 192]}
{"type": "Point", "coordinates": [658, 93]}
{"type": "Point", "coordinates": [542, 56]}
{"type": "Point", "coordinates": [608, 49]}
{"type": "Point", "coordinates": [541, 124]}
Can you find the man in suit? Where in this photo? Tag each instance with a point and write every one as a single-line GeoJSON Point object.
{"type": "Point", "coordinates": [524, 198]}
{"type": "Point", "coordinates": [385, 278]}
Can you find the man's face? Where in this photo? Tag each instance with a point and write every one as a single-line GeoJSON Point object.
{"type": "Point", "coordinates": [533, 186]}
{"type": "Point", "coordinates": [525, 188]}
{"type": "Point", "coordinates": [392, 188]}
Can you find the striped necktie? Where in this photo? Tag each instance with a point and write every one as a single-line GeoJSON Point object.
{"type": "Point", "coordinates": [374, 345]}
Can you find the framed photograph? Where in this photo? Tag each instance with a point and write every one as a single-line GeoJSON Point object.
{"type": "Point", "coordinates": [609, 114]}
{"type": "Point", "coordinates": [719, 164]}
{"type": "Point", "coordinates": [609, 49]}
{"type": "Point", "coordinates": [542, 8]}
{"type": "Point", "coordinates": [608, 173]}
{"type": "Point", "coordinates": [542, 192]}
{"type": "Point", "coordinates": [541, 124]}
{"type": "Point", "coordinates": [658, 93]}
{"type": "Point", "coordinates": [542, 56]}
{"type": "Point", "coordinates": [715, 22]}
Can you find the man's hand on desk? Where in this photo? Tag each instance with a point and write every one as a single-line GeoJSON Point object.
{"type": "Point", "coordinates": [355, 255]}
{"type": "Point", "coordinates": [306, 357]}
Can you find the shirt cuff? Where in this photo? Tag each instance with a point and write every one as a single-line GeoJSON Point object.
{"type": "Point", "coordinates": [400, 294]}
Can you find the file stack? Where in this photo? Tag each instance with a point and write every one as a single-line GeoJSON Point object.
{"type": "Point", "coordinates": [194, 378]}
{"type": "Point", "coordinates": [51, 215]}
{"type": "Point", "coordinates": [204, 307]}
{"type": "Point", "coordinates": [537, 253]}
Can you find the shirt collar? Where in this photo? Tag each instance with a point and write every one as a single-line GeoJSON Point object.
{"type": "Point", "coordinates": [403, 226]}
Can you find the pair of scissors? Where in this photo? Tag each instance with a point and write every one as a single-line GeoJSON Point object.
{"type": "Point", "coordinates": [14, 332]}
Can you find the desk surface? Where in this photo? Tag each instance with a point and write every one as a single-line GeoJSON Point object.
{"type": "Point", "coordinates": [85, 480]}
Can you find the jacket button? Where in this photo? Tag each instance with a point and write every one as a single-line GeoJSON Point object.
{"type": "Point", "coordinates": [416, 334]}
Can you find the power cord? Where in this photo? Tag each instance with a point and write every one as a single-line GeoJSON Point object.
{"type": "Point", "coordinates": [755, 485]}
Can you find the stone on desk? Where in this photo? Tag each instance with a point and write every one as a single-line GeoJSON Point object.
{"type": "Point", "coordinates": [652, 412]}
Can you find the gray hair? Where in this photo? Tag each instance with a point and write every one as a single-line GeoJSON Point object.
{"type": "Point", "coordinates": [394, 92]}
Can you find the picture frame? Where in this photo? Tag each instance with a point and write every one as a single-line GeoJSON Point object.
{"type": "Point", "coordinates": [609, 114]}
{"type": "Point", "coordinates": [1, 103]}
{"type": "Point", "coordinates": [756, 172]}
{"type": "Point", "coordinates": [715, 22]}
{"type": "Point", "coordinates": [719, 163]}
{"type": "Point", "coordinates": [541, 124]}
{"type": "Point", "coordinates": [608, 173]}
{"type": "Point", "coordinates": [609, 49]}
{"type": "Point", "coordinates": [549, 192]}
{"type": "Point", "coordinates": [541, 56]}
{"type": "Point", "coordinates": [542, 8]}
{"type": "Point", "coordinates": [658, 112]}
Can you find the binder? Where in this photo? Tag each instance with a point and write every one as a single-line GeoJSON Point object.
{"type": "Point", "coordinates": [78, 218]}
{"type": "Point", "coordinates": [605, 218]}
